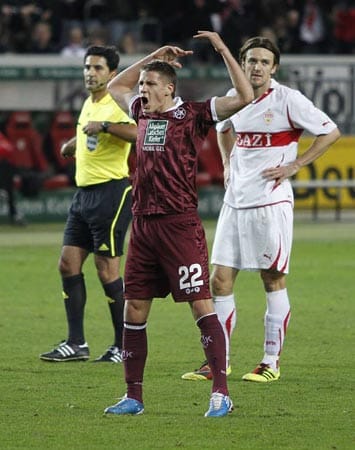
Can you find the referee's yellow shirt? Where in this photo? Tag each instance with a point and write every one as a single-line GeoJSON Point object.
{"type": "Point", "coordinates": [102, 157]}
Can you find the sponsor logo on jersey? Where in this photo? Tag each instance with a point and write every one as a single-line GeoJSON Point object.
{"type": "Point", "coordinates": [260, 140]}
{"type": "Point", "coordinates": [155, 135]}
{"type": "Point", "coordinates": [253, 139]}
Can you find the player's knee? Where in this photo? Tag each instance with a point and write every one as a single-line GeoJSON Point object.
{"type": "Point", "coordinates": [136, 311]}
{"type": "Point", "coordinates": [67, 268]}
{"type": "Point", "coordinates": [107, 269]}
{"type": "Point", "coordinates": [221, 285]}
{"type": "Point", "coordinates": [273, 281]}
{"type": "Point", "coordinates": [64, 267]}
{"type": "Point", "coordinates": [104, 276]}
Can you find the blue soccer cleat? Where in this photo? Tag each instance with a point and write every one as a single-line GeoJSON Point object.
{"type": "Point", "coordinates": [220, 405]}
{"type": "Point", "coordinates": [126, 406]}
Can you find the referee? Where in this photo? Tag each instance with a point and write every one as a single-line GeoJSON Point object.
{"type": "Point", "coordinates": [101, 207]}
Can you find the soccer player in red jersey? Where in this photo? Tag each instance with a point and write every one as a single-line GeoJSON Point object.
{"type": "Point", "coordinates": [167, 249]}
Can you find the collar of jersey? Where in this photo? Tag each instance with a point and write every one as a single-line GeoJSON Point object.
{"type": "Point", "coordinates": [177, 102]}
{"type": "Point", "coordinates": [273, 85]}
{"type": "Point", "coordinates": [105, 99]}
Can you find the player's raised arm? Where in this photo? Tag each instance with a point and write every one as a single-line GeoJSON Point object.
{"type": "Point", "coordinates": [122, 86]}
{"type": "Point", "coordinates": [227, 106]}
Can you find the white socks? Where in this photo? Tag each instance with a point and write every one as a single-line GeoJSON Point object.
{"type": "Point", "coordinates": [227, 315]}
{"type": "Point", "coordinates": [277, 317]}
{"type": "Point", "coordinates": [276, 321]}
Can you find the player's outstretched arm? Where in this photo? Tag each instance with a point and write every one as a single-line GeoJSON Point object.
{"type": "Point", "coordinates": [122, 86]}
{"type": "Point", "coordinates": [227, 106]}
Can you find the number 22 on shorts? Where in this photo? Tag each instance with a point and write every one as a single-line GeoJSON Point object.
{"type": "Point", "coordinates": [190, 278]}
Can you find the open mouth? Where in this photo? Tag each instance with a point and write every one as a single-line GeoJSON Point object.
{"type": "Point", "coordinates": [144, 100]}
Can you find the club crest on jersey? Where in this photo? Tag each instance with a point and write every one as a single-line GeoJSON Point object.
{"type": "Point", "coordinates": [179, 113]}
{"type": "Point", "coordinates": [268, 116]}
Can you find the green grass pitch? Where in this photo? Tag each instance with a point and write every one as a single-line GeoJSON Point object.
{"type": "Point", "coordinates": [60, 406]}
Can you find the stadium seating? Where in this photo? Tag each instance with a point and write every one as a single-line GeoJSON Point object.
{"type": "Point", "coordinates": [61, 130]}
{"type": "Point", "coordinates": [27, 142]}
{"type": "Point", "coordinates": [32, 168]}
{"type": "Point", "coordinates": [7, 173]}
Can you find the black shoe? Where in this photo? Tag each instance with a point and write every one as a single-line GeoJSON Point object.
{"type": "Point", "coordinates": [65, 352]}
{"type": "Point", "coordinates": [112, 354]}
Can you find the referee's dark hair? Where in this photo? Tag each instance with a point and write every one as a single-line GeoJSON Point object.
{"type": "Point", "coordinates": [259, 42]}
{"type": "Point", "coordinates": [110, 53]}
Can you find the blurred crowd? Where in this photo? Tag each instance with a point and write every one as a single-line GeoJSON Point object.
{"type": "Point", "coordinates": [68, 27]}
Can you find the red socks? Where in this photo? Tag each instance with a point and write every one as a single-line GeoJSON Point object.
{"type": "Point", "coordinates": [213, 342]}
{"type": "Point", "coordinates": [135, 353]}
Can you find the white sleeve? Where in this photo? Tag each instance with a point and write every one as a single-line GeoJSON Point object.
{"type": "Point", "coordinates": [213, 109]}
{"type": "Point", "coordinates": [223, 126]}
{"type": "Point", "coordinates": [304, 114]}
{"type": "Point", "coordinates": [132, 100]}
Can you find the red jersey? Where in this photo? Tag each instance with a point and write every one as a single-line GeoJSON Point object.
{"type": "Point", "coordinates": [167, 148]}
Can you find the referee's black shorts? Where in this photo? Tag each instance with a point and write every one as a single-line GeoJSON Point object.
{"type": "Point", "coordinates": [99, 217]}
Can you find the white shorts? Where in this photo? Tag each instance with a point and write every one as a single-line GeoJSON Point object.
{"type": "Point", "coordinates": [255, 238]}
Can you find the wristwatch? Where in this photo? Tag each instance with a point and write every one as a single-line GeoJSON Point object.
{"type": "Point", "coordinates": [104, 126]}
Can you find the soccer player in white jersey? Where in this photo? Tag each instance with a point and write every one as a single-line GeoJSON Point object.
{"type": "Point", "coordinates": [254, 231]}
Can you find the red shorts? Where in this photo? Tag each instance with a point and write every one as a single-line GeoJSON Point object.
{"type": "Point", "coordinates": [167, 254]}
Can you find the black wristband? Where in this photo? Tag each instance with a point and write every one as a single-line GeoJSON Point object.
{"type": "Point", "coordinates": [104, 126]}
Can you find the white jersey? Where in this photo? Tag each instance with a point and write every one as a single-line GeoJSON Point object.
{"type": "Point", "coordinates": [267, 134]}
